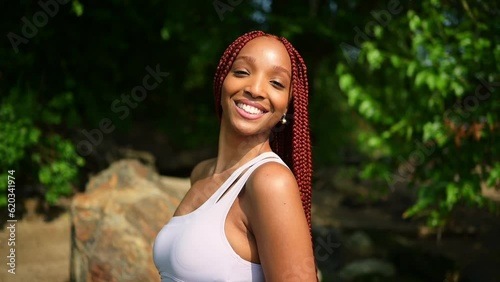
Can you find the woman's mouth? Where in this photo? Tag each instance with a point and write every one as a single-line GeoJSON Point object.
{"type": "Point", "coordinates": [249, 109]}
{"type": "Point", "coordinates": [249, 112]}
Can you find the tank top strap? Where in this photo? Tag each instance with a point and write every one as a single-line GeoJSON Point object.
{"type": "Point", "coordinates": [237, 173]}
{"type": "Point", "coordinates": [228, 199]}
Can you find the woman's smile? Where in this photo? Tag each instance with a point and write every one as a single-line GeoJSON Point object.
{"type": "Point", "coordinates": [249, 109]}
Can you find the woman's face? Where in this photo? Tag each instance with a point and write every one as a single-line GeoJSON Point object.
{"type": "Point", "coordinates": [256, 91]}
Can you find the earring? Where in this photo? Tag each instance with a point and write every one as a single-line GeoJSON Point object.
{"type": "Point", "coordinates": [283, 120]}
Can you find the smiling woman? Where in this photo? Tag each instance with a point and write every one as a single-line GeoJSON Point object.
{"type": "Point", "coordinates": [247, 215]}
{"type": "Point", "coordinates": [257, 87]}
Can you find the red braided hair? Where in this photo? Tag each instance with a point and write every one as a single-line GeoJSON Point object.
{"type": "Point", "coordinates": [292, 143]}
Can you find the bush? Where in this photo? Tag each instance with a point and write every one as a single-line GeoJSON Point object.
{"type": "Point", "coordinates": [29, 146]}
{"type": "Point", "coordinates": [429, 101]}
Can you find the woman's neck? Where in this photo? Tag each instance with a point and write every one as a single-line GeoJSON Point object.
{"type": "Point", "coordinates": [235, 149]}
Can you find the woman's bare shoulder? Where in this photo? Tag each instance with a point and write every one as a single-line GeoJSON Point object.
{"type": "Point", "coordinates": [202, 169]}
{"type": "Point", "coordinates": [276, 181]}
{"type": "Point", "coordinates": [272, 174]}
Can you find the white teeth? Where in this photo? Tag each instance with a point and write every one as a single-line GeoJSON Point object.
{"type": "Point", "coordinates": [249, 109]}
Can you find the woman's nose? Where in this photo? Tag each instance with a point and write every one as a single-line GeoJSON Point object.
{"type": "Point", "coordinates": [255, 88]}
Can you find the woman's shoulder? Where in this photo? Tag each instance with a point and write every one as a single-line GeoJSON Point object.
{"type": "Point", "coordinates": [202, 169]}
{"type": "Point", "coordinates": [272, 176]}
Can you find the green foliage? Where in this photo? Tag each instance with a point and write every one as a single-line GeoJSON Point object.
{"type": "Point", "coordinates": [29, 147]}
{"type": "Point", "coordinates": [18, 134]}
{"type": "Point", "coordinates": [59, 168]}
{"type": "Point", "coordinates": [422, 101]}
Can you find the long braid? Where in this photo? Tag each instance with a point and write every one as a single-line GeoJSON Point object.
{"type": "Point", "coordinates": [292, 144]}
{"type": "Point", "coordinates": [300, 137]}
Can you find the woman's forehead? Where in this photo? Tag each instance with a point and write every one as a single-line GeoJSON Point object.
{"type": "Point", "coordinates": [268, 48]}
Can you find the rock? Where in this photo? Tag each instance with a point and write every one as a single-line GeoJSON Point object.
{"type": "Point", "coordinates": [115, 222]}
{"type": "Point", "coordinates": [366, 267]}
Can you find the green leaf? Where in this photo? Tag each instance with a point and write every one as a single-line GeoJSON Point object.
{"type": "Point", "coordinates": [395, 60]}
{"type": "Point", "coordinates": [346, 81]}
{"type": "Point", "coordinates": [457, 88]}
{"type": "Point", "coordinates": [420, 78]}
{"type": "Point", "coordinates": [414, 22]}
{"type": "Point", "coordinates": [164, 33]}
{"type": "Point", "coordinates": [374, 58]}
{"type": "Point", "coordinates": [412, 66]}
{"type": "Point", "coordinates": [77, 8]}
{"type": "Point", "coordinates": [451, 195]}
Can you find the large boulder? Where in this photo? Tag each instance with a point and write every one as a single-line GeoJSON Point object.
{"type": "Point", "coordinates": [116, 220]}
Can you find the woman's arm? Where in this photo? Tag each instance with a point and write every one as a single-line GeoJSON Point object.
{"type": "Point", "coordinates": [277, 220]}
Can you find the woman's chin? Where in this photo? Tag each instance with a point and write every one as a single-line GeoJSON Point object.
{"type": "Point", "coordinates": [249, 131]}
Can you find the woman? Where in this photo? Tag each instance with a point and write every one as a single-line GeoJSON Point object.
{"type": "Point", "coordinates": [247, 215]}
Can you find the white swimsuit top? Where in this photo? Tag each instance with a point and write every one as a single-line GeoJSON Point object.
{"type": "Point", "coordinates": [194, 247]}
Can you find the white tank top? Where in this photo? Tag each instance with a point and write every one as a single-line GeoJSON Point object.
{"type": "Point", "coordinates": [194, 247]}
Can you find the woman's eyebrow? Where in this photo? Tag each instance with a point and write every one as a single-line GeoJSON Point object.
{"type": "Point", "coordinates": [282, 69]}
{"type": "Point", "coordinates": [249, 59]}
{"type": "Point", "coordinates": [252, 60]}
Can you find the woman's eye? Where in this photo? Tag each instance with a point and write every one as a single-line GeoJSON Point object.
{"type": "Point", "coordinates": [240, 72]}
{"type": "Point", "coordinates": [277, 84]}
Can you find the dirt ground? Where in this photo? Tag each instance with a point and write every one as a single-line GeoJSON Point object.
{"type": "Point", "coordinates": [42, 250]}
